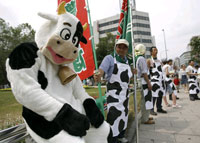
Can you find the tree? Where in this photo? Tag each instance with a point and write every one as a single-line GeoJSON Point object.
{"type": "Point", "coordinates": [105, 47]}
{"type": "Point", "coordinates": [195, 48]}
{"type": "Point", "coordinates": [10, 37]}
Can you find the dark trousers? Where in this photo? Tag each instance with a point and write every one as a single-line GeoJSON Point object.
{"type": "Point", "coordinates": [158, 101]}
{"type": "Point", "coordinates": [121, 135]}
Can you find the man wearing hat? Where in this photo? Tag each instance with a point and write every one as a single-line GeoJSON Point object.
{"type": "Point", "coordinates": [118, 74]}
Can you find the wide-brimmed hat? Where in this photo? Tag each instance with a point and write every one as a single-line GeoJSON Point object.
{"type": "Point", "coordinates": [122, 41]}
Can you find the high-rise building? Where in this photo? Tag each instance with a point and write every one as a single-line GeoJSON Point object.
{"type": "Point", "coordinates": [141, 29]}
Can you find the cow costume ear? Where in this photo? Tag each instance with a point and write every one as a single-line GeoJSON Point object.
{"type": "Point", "coordinates": [50, 17]}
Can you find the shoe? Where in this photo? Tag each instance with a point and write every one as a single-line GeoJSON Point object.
{"type": "Point", "coordinates": [153, 113]}
{"type": "Point", "coordinates": [192, 98]}
{"type": "Point", "coordinates": [149, 122]}
{"type": "Point", "coordinates": [150, 118]}
{"type": "Point", "coordinates": [161, 111]}
{"type": "Point", "coordinates": [176, 106]}
{"type": "Point", "coordinates": [123, 140]}
{"type": "Point", "coordinates": [177, 98]}
{"type": "Point", "coordinates": [196, 97]}
{"type": "Point", "coordinates": [168, 105]}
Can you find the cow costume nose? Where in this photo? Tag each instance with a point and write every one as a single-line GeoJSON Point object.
{"type": "Point", "coordinates": [75, 51]}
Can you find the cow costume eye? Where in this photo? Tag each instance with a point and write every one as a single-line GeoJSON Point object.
{"type": "Point", "coordinates": [75, 40]}
{"type": "Point", "coordinates": [65, 34]}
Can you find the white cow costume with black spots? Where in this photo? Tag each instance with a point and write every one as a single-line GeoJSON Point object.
{"type": "Point", "coordinates": [55, 112]}
{"type": "Point", "coordinates": [193, 83]}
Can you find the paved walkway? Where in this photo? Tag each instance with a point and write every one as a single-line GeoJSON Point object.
{"type": "Point", "coordinates": [181, 125]}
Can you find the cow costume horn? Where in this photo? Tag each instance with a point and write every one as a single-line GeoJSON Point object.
{"type": "Point", "coordinates": [61, 8]}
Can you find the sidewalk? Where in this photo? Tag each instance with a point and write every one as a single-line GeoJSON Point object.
{"type": "Point", "coordinates": [180, 125]}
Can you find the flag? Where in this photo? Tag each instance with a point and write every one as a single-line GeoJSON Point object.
{"type": "Point", "coordinates": [124, 26]}
{"type": "Point", "coordinates": [84, 64]}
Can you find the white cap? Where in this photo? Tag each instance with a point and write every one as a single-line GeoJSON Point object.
{"type": "Point", "coordinates": [122, 41]}
{"type": "Point", "coordinates": [140, 49]}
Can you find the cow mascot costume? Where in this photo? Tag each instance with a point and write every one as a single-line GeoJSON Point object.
{"type": "Point", "coordinates": [56, 108]}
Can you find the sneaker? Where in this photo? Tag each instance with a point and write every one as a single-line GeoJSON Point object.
{"type": "Point", "coordinates": [161, 111]}
{"type": "Point", "coordinates": [168, 105]}
{"type": "Point", "coordinates": [123, 140]}
{"type": "Point", "coordinates": [177, 98]}
{"type": "Point", "coordinates": [149, 122]}
{"type": "Point", "coordinates": [153, 113]}
{"type": "Point", "coordinates": [176, 106]}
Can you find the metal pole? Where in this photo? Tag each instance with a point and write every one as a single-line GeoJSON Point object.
{"type": "Point", "coordinates": [134, 66]}
{"type": "Point", "coordinates": [165, 43]}
{"type": "Point", "coordinates": [95, 58]}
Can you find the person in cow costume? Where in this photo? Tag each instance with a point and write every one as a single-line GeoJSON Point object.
{"type": "Point", "coordinates": [193, 83]}
{"type": "Point", "coordinates": [144, 76]}
{"type": "Point", "coordinates": [56, 108]}
{"type": "Point", "coordinates": [157, 81]}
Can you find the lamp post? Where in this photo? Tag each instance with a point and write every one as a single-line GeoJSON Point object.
{"type": "Point", "coordinates": [165, 43]}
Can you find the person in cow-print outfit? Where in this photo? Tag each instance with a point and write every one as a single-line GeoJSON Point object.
{"type": "Point", "coordinates": [118, 74]}
{"type": "Point", "coordinates": [171, 89]}
{"type": "Point", "coordinates": [157, 82]}
{"type": "Point", "coordinates": [143, 75]}
{"type": "Point", "coordinates": [193, 84]}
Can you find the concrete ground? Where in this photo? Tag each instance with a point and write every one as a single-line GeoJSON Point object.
{"type": "Point", "coordinates": [179, 125]}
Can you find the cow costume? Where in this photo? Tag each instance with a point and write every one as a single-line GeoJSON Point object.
{"type": "Point", "coordinates": [193, 83]}
{"type": "Point", "coordinates": [168, 79]}
{"type": "Point", "coordinates": [144, 76]}
{"type": "Point", "coordinates": [56, 108]}
{"type": "Point", "coordinates": [157, 82]}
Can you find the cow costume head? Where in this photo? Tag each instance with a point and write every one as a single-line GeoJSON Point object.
{"type": "Point", "coordinates": [59, 39]}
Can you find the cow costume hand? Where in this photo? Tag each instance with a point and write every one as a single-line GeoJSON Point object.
{"type": "Point", "coordinates": [93, 113]}
{"type": "Point", "coordinates": [72, 121]}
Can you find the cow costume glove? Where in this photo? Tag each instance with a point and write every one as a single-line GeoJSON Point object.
{"type": "Point", "coordinates": [72, 121]}
{"type": "Point", "coordinates": [93, 113]}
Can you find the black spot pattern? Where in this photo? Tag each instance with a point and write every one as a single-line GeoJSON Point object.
{"type": "Point", "coordinates": [115, 70]}
{"type": "Point", "coordinates": [42, 127]}
{"type": "Point", "coordinates": [115, 85]}
{"type": "Point", "coordinates": [23, 56]}
{"type": "Point", "coordinates": [144, 86]}
{"type": "Point", "coordinates": [173, 87]}
{"type": "Point", "coordinates": [192, 87]}
{"type": "Point", "coordinates": [127, 93]}
{"type": "Point", "coordinates": [111, 99]}
{"type": "Point", "coordinates": [155, 87]}
{"type": "Point", "coordinates": [148, 97]}
{"type": "Point", "coordinates": [154, 80]}
{"type": "Point", "coordinates": [156, 74]}
{"type": "Point", "coordinates": [126, 106]}
{"type": "Point", "coordinates": [42, 80]}
{"type": "Point", "coordinates": [160, 93]}
{"type": "Point", "coordinates": [113, 114]}
{"type": "Point", "coordinates": [124, 76]}
{"type": "Point", "coordinates": [159, 68]}
{"type": "Point", "coordinates": [110, 137]}
{"type": "Point", "coordinates": [121, 125]}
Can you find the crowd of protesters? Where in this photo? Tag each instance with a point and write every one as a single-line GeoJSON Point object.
{"type": "Point", "coordinates": [157, 79]}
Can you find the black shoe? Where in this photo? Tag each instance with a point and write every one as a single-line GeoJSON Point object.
{"type": "Point", "coordinates": [196, 97]}
{"type": "Point", "coordinates": [161, 111]}
{"type": "Point", "coordinates": [177, 98]}
{"type": "Point", "coordinates": [192, 98]}
{"type": "Point", "coordinates": [153, 113]}
{"type": "Point", "coordinates": [170, 97]}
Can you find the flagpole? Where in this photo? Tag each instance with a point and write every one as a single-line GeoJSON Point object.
{"type": "Point", "coordinates": [134, 66]}
{"type": "Point", "coordinates": [95, 58]}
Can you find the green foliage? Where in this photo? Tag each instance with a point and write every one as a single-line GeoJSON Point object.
{"type": "Point", "coordinates": [10, 37]}
{"type": "Point", "coordinates": [195, 48]}
{"type": "Point", "coordinates": [105, 47]}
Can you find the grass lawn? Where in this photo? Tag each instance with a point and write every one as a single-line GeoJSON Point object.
{"type": "Point", "coordinates": [10, 109]}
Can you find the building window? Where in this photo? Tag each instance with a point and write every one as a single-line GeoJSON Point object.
{"type": "Point", "coordinates": [109, 23]}
{"type": "Point", "coordinates": [108, 30]}
{"type": "Point", "coordinates": [140, 17]}
{"type": "Point", "coordinates": [142, 41]}
{"type": "Point", "coordinates": [141, 25]}
{"type": "Point", "coordinates": [141, 33]}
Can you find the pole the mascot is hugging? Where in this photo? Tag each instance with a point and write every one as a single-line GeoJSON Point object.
{"type": "Point", "coordinates": [56, 107]}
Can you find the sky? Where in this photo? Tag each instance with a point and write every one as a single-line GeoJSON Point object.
{"type": "Point", "coordinates": [180, 19]}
